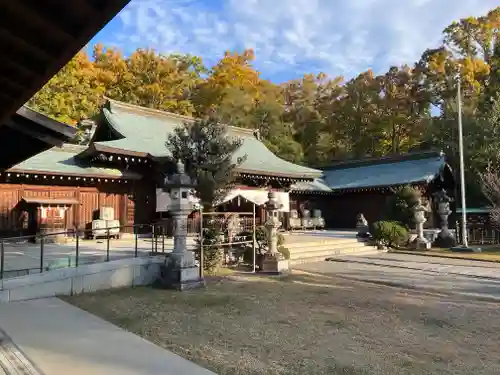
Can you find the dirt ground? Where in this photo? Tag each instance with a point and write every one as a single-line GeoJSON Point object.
{"type": "Point", "coordinates": [307, 324]}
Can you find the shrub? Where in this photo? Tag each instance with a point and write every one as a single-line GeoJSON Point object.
{"type": "Point", "coordinates": [262, 243]}
{"type": "Point", "coordinates": [213, 252]}
{"type": "Point", "coordinates": [399, 206]}
{"type": "Point", "coordinates": [262, 240]}
{"type": "Point", "coordinates": [390, 233]}
{"type": "Point", "coordinates": [284, 251]}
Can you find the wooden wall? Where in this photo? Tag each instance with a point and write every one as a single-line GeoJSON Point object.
{"type": "Point", "coordinates": [340, 210]}
{"type": "Point", "coordinates": [79, 216]}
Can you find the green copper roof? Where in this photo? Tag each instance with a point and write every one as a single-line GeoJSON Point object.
{"type": "Point", "coordinates": [146, 130]}
{"type": "Point", "coordinates": [384, 174]}
{"type": "Point", "coordinates": [317, 185]}
{"type": "Point", "coordinates": [376, 173]}
{"type": "Point", "coordinates": [61, 160]}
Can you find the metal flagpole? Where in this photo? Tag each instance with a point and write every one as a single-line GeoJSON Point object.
{"type": "Point", "coordinates": [462, 168]}
{"type": "Point", "coordinates": [254, 245]}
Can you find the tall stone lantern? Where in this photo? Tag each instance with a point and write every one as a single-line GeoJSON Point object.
{"type": "Point", "coordinates": [180, 270]}
{"type": "Point", "coordinates": [445, 238]}
{"type": "Point", "coordinates": [419, 211]}
{"type": "Point", "coordinates": [273, 261]}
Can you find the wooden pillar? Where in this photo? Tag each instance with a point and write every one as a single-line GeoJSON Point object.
{"type": "Point", "coordinates": [76, 210]}
{"type": "Point", "coordinates": [123, 210]}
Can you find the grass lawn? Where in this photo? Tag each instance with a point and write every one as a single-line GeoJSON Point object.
{"type": "Point", "coordinates": [311, 325]}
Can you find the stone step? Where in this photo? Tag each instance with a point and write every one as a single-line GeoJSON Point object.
{"type": "Point", "coordinates": [315, 243]}
{"type": "Point", "coordinates": [328, 247]}
{"type": "Point", "coordinates": [331, 252]}
{"type": "Point", "coordinates": [322, 257]}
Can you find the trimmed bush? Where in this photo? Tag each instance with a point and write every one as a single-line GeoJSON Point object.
{"type": "Point", "coordinates": [390, 233]}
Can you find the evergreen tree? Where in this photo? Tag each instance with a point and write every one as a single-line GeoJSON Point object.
{"type": "Point", "coordinates": [208, 155]}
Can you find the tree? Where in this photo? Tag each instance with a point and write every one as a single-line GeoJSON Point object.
{"type": "Point", "coordinates": [400, 205]}
{"type": "Point", "coordinates": [231, 84]}
{"type": "Point", "coordinates": [149, 79]}
{"type": "Point", "coordinates": [402, 110]}
{"type": "Point", "coordinates": [490, 184]}
{"type": "Point", "coordinates": [207, 153]}
{"type": "Point", "coordinates": [73, 94]}
{"type": "Point", "coordinates": [308, 106]}
{"type": "Point", "coordinates": [356, 115]}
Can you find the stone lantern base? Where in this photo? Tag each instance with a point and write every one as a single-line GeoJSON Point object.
{"type": "Point", "coordinates": [275, 264]}
{"type": "Point", "coordinates": [180, 273]}
{"type": "Point", "coordinates": [445, 240]}
{"type": "Point", "coordinates": [421, 243]}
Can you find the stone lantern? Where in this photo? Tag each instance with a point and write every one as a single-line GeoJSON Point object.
{"type": "Point", "coordinates": [180, 270]}
{"type": "Point", "coordinates": [419, 211]}
{"type": "Point", "coordinates": [273, 261]}
{"type": "Point", "coordinates": [445, 238]}
{"type": "Point", "coordinates": [362, 227]}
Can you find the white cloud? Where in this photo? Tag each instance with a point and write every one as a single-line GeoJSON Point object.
{"type": "Point", "coordinates": [296, 36]}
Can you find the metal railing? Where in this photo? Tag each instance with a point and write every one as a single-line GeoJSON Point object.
{"type": "Point", "coordinates": [28, 254]}
{"type": "Point", "coordinates": [237, 233]}
{"type": "Point", "coordinates": [32, 253]}
{"type": "Point", "coordinates": [480, 234]}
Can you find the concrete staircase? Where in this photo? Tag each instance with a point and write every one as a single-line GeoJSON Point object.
{"type": "Point", "coordinates": [315, 247]}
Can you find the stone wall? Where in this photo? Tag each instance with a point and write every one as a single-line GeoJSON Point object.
{"type": "Point", "coordinates": [86, 278]}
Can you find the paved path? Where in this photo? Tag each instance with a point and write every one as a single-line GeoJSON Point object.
{"type": "Point", "coordinates": [64, 340]}
{"type": "Point", "coordinates": [447, 266]}
{"type": "Point", "coordinates": [24, 258]}
{"type": "Point", "coordinates": [479, 280]}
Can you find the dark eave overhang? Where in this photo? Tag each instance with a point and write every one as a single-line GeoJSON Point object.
{"type": "Point", "coordinates": [39, 37]}
{"type": "Point", "coordinates": [364, 189]}
{"type": "Point", "coordinates": [95, 149]}
{"type": "Point", "coordinates": [277, 176]}
{"type": "Point", "coordinates": [381, 188]}
{"type": "Point", "coordinates": [47, 176]}
{"type": "Point", "coordinates": [311, 192]}
{"type": "Point", "coordinates": [27, 133]}
{"type": "Point", "coordinates": [63, 131]}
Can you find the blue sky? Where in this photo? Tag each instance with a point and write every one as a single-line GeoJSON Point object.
{"type": "Point", "coordinates": [292, 37]}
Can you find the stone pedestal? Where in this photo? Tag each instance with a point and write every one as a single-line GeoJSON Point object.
{"type": "Point", "coordinates": [421, 244]}
{"type": "Point", "coordinates": [180, 272]}
{"type": "Point", "coordinates": [275, 264]}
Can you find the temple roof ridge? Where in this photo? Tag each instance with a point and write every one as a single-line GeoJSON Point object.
{"type": "Point", "coordinates": [112, 104]}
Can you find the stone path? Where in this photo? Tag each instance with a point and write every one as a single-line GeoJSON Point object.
{"type": "Point", "coordinates": [440, 266]}
{"type": "Point", "coordinates": [12, 360]}
{"type": "Point", "coordinates": [478, 280]}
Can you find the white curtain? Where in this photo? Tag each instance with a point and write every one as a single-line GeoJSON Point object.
{"type": "Point", "coordinates": [162, 200]}
{"type": "Point", "coordinates": [284, 199]}
{"type": "Point", "coordinates": [259, 197]}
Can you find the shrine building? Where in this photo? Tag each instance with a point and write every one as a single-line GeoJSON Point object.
{"type": "Point", "coordinates": [66, 186]}
{"type": "Point", "coordinates": [348, 188]}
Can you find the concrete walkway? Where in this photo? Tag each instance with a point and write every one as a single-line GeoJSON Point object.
{"type": "Point", "coordinates": [448, 266]}
{"type": "Point", "coordinates": [61, 339]}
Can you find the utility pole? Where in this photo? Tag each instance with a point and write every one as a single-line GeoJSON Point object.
{"type": "Point", "coordinates": [462, 167]}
